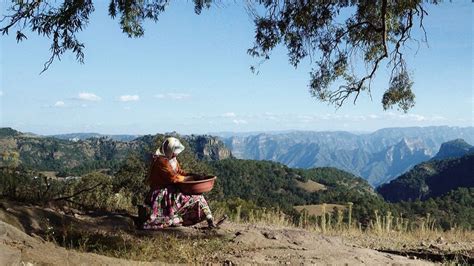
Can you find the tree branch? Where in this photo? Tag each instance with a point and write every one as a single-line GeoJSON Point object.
{"type": "Point", "coordinates": [77, 193]}
{"type": "Point", "coordinates": [345, 91]}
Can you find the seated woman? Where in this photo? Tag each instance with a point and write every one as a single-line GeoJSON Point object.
{"type": "Point", "coordinates": [169, 207]}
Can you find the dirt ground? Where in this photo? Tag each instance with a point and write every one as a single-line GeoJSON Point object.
{"type": "Point", "coordinates": [20, 243]}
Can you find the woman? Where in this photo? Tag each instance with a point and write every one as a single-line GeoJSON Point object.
{"type": "Point", "coordinates": [169, 207]}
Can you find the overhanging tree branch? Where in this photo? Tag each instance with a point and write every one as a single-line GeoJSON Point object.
{"type": "Point", "coordinates": [372, 32]}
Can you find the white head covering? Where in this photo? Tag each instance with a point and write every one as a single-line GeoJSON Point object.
{"type": "Point", "coordinates": [169, 147]}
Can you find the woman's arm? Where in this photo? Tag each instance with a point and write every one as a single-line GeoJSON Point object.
{"type": "Point", "coordinates": [163, 173]}
{"type": "Point", "coordinates": [180, 171]}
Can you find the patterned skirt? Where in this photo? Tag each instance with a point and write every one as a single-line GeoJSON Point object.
{"type": "Point", "coordinates": [169, 207]}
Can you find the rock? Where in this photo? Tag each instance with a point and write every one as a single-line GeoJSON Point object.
{"type": "Point", "coordinates": [271, 235]}
{"type": "Point", "coordinates": [298, 243]}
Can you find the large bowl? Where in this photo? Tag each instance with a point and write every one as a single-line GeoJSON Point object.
{"type": "Point", "coordinates": [193, 187]}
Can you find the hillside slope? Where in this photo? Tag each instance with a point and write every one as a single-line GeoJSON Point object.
{"type": "Point", "coordinates": [431, 179]}
{"type": "Point", "coordinates": [270, 184]}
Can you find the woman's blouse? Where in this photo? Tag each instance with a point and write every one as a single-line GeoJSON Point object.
{"type": "Point", "coordinates": [162, 173]}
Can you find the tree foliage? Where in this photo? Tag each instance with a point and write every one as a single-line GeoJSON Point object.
{"type": "Point", "coordinates": [338, 36]}
{"type": "Point", "coordinates": [430, 179]}
{"type": "Point", "coordinates": [454, 209]}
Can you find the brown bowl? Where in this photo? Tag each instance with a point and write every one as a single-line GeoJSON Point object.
{"type": "Point", "coordinates": [193, 187]}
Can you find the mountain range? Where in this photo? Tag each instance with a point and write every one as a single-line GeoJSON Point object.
{"type": "Point", "coordinates": [79, 156]}
{"type": "Point", "coordinates": [377, 157]}
{"type": "Point", "coordinates": [84, 136]}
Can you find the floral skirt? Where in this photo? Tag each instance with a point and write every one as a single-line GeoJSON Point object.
{"type": "Point", "coordinates": [169, 207]}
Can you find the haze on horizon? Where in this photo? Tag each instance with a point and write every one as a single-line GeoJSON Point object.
{"type": "Point", "coordinates": [190, 74]}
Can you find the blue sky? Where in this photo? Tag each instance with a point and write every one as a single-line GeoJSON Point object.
{"type": "Point", "coordinates": [191, 74]}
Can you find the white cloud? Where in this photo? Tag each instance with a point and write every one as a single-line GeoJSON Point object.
{"type": "Point", "coordinates": [416, 117]}
{"type": "Point", "coordinates": [179, 96]}
{"type": "Point", "coordinates": [173, 96]}
{"type": "Point", "coordinates": [129, 98]}
{"type": "Point", "coordinates": [409, 117]}
{"type": "Point", "coordinates": [239, 121]}
{"type": "Point", "coordinates": [273, 118]}
{"type": "Point", "coordinates": [229, 114]}
{"type": "Point", "coordinates": [438, 118]}
{"type": "Point", "coordinates": [59, 104]}
{"type": "Point", "coordinates": [413, 117]}
{"type": "Point", "coordinates": [87, 96]}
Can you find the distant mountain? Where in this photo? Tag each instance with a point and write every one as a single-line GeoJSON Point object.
{"type": "Point", "coordinates": [9, 132]}
{"type": "Point", "coordinates": [431, 179]}
{"type": "Point", "coordinates": [453, 149]}
{"type": "Point", "coordinates": [84, 136]}
{"type": "Point", "coordinates": [377, 157]}
{"type": "Point", "coordinates": [76, 157]}
{"type": "Point", "coordinates": [208, 147]}
{"type": "Point", "coordinates": [383, 166]}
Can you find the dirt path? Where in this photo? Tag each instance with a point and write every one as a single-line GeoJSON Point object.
{"type": "Point", "coordinates": [262, 244]}
{"type": "Point", "coordinates": [245, 243]}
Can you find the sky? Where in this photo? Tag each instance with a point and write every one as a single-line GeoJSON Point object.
{"type": "Point", "coordinates": [191, 74]}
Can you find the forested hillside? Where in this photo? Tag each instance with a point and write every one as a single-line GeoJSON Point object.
{"type": "Point", "coordinates": [273, 184]}
{"type": "Point", "coordinates": [453, 209]}
{"type": "Point", "coordinates": [431, 179]}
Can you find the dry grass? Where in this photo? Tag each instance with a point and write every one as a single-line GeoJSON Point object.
{"type": "Point", "coordinates": [319, 209]}
{"type": "Point", "coordinates": [310, 186]}
{"type": "Point", "coordinates": [154, 246]}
